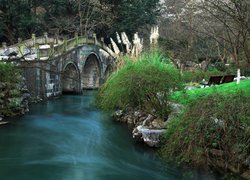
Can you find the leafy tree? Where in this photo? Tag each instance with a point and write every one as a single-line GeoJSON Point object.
{"type": "Point", "coordinates": [21, 18]}
{"type": "Point", "coordinates": [131, 16]}
{"type": "Point", "coordinates": [18, 19]}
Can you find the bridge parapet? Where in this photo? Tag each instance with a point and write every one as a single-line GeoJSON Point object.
{"type": "Point", "coordinates": [44, 47]}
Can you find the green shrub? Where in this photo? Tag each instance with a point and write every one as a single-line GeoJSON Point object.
{"type": "Point", "coordinates": [10, 80]}
{"type": "Point", "coordinates": [145, 83]}
{"type": "Point", "coordinates": [218, 123]}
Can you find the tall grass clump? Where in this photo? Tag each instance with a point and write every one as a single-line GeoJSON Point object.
{"type": "Point", "coordinates": [144, 83]}
{"type": "Point", "coordinates": [214, 131]}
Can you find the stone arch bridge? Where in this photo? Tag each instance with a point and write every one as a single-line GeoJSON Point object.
{"type": "Point", "coordinates": [51, 66]}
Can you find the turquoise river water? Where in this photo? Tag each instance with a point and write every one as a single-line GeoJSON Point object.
{"type": "Point", "coordinates": [68, 139]}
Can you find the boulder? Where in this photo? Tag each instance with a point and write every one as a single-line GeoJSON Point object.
{"type": "Point", "coordinates": [158, 124]}
{"type": "Point", "coordinates": [138, 114]}
{"type": "Point", "coordinates": [128, 118]}
{"type": "Point", "coordinates": [118, 113]}
{"type": "Point", "coordinates": [148, 128]}
{"type": "Point", "coordinates": [26, 96]}
{"type": "Point", "coordinates": [148, 120]}
{"type": "Point", "coordinates": [149, 136]}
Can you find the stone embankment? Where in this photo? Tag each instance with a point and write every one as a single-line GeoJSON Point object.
{"type": "Point", "coordinates": [147, 128]}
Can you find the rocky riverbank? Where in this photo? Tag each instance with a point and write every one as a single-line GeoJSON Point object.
{"type": "Point", "coordinates": [147, 127]}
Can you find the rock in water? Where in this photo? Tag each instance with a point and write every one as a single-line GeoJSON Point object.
{"type": "Point", "coordinates": [149, 136]}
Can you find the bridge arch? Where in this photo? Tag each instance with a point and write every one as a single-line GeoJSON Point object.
{"type": "Point", "coordinates": [71, 79]}
{"type": "Point", "coordinates": [91, 72]}
{"type": "Point", "coordinates": [109, 69]}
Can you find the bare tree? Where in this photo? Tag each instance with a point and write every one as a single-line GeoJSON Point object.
{"type": "Point", "coordinates": [83, 16]}
{"type": "Point", "coordinates": [209, 28]}
{"type": "Point", "coordinates": [228, 23]}
{"type": "Point", "coordinates": [177, 29]}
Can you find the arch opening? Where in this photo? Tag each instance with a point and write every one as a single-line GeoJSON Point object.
{"type": "Point", "coordinates": [91, 73]}
{"type": "Point", "coordinates": [70, 80]}
{"type": "Point", "coordinates": [108, 72]}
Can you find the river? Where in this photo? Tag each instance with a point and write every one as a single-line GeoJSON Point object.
{"type": "Point", "coordinates": [69, 139]}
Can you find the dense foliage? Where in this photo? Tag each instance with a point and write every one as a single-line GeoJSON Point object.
{"type": "Point", "coordinates": [10, 95]}
{"type": "Point", "coordinates": [105, 17]}
{"type": "Point", "coordinates": [213, 131]}
{"type": "Point", "coordinates": [17, 19]}
{"type": "Point", "coordinates": [129, 17]}
{"type": "Point", "coordinates": [145, 83]}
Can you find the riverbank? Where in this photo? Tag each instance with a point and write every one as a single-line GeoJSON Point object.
{"type": "Point", "coordinates": [206, 128]}
{"type": "Point", "coordinates": [213, 129]}
{"type": "Point", "coordinates": [217, 136]}
{"type": "Point", "coordinates": [146, 127]}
